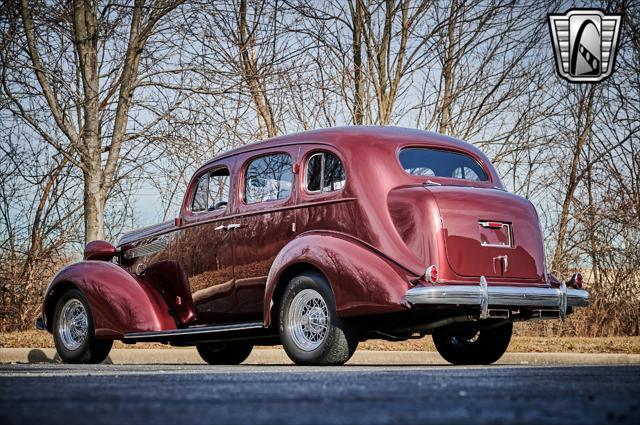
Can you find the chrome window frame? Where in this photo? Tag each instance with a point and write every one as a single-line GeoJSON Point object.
{"type": "Point", "coordinates": [306, 169]}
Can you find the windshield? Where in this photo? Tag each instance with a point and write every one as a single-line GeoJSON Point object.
{"type": "Point", "coordinates": [441, 163]}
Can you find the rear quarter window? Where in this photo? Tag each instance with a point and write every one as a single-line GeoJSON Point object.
{"type": "Point", "coordinates": [324, 173]}
{"type": "Point", "coordinates": [430, 162]}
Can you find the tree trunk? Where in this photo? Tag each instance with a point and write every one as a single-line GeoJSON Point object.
{"type": "Point", "coordinates": [447, 72]}
{"type": "Point", "coordinates": [358, 75]}
{"type": "Point", "coordinates": [93, 206]}
{"type": "Point", "coordinates": [251, 75]}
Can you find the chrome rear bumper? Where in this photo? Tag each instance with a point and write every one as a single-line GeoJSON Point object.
{"type": "Point", "coordinates": [484, 296]}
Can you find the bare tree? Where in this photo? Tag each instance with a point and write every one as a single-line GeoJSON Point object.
{"type": "Point", "coordinates": [80, 83]}
{"type": "Point", "coordinates": [102, 103]}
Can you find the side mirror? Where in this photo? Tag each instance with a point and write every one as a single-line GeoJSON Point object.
{"type": "Point", "coordinates": [177, 221]}
{"type": "Point", "coordinates": [99, 250]}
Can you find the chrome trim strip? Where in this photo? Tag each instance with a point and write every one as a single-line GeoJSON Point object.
{"type": "Point", "coordinates": [147, 249]}
{"type": "Point", "coordinates": [146, 232]}
{"type": "Point", "coordinates": [498, 296]}
{"type": "Point", "coordinates": [195, 330]}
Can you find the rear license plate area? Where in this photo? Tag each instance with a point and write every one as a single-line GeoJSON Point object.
{"type": "Point", "coordinates": [495, 233]}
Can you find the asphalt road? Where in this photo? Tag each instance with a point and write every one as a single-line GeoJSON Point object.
{"type": "Point", "coordinates": [156, 395]}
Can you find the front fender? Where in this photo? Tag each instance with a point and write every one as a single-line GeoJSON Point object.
{"type": "Point", "coordinates": [363, 281]}
{"type": "Point", "coordinates": [119, 301]}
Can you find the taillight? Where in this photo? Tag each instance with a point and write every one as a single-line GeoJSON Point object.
{"type": "Point", "coordinates": [431, 274]}
{"type": "Point", "coordinates": [576, 279]}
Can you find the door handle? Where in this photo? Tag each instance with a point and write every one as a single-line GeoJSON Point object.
{"type": "Point", "coordinates": [228, 226]}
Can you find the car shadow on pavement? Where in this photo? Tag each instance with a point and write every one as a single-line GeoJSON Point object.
{"type": "Point", "coordinates": [38, 356]}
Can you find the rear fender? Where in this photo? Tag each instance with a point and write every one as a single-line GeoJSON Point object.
{"type": "Point", "coordinates": [363, 281]}
{"type": "Point", "coordinates": [119, 301]}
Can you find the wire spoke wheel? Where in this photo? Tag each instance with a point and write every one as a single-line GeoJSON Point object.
{"type": "Point", "coordinates": [308, 320]}
{"type": "Point", "coordinates": [74, 324]}
{"type": "Point", "coordinates": [74, 330]}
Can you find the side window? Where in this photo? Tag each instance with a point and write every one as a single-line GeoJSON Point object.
{"type": "Point", "coordinates": [218, 189]}
{"type": "Point", "coordinates": [314, 172]}
{"type": "Point", "coordinates": [212, 192]}
{"type": "Point", "coordinates": [324, 173]}
{"type": "Point", "coordinates": [268, 178]}
{"type": "Point", "coordinates": [199, 203]}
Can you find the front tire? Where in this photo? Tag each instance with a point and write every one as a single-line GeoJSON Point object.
{"type": "Point", "coordinates": [74, 331]}
{"type": "Point", "coordinates": [230, 353]}
{"type": "Point", "coordinates": [472, 346]}
{"type": "Point", "coordinates": [310, 329]}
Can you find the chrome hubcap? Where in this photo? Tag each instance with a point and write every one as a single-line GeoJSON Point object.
{"type": "Point", "coordinates": [74, 324]}
{"type": "Point", "coordinates": [308, 320]}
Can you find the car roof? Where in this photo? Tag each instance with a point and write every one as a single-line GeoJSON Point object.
{"type": "Point", "coordinates": [349, 135]}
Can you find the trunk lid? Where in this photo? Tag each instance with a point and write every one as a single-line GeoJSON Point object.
{"type": "Point", "coordinates": [490, 233]}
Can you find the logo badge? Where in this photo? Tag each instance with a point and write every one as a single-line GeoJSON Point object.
{"type": "Point", "coordinates": [585, 43]}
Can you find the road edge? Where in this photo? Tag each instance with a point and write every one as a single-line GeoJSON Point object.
{"type": "Point", "coordinates": [279, 357]}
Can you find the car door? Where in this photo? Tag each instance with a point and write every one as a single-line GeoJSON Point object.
{"type": "Point", "coordinates": [265, 215]}
{"type": "Point", "coordinates": [205, 245]}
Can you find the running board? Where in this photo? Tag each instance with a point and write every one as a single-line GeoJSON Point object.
{"type": "Point", "coordinates": [195, 331]}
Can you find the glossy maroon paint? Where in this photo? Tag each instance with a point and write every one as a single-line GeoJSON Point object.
{"type": "Point", "coordinates": [99, 250]}
{"type": "Point", "coordinates": [363, 281]}
{"type": "Point", "coordinates": [372, 239]}
{"type": "Point", "coordinates": [119, 302]}
{"type": "Point", "coordinates": [465, 254]}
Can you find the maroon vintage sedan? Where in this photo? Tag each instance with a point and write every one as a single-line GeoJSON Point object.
{"type": "Point", "coordinates": [318, 241]}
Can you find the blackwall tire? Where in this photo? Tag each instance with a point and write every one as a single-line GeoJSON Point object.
{"type": "Point", "coordinates": [470, 346]}
{"type": "Point", "coordinates": [74, 331]}
{"type": "Point", "coordinates": [231, 353]}
{"type": "Point", "coordinates": [310, 329]}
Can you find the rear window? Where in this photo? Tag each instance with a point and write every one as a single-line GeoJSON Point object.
{"type": "Point", "coordinates": [441, 163]}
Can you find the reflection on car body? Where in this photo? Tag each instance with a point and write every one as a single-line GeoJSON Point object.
{"type": "Point", "coordinates": [317, 241]}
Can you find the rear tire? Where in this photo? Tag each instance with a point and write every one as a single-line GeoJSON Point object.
{"type": "Point", "coordinates": [310, 329]}
{"type": "Point", "coordinates": [470, 346]}
{"type": "Point", "coordinates": [230, 353]}
{"type": "Point", "coordinates": [74, 331]}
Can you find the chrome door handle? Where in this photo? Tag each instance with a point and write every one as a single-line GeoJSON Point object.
{"type": "Point", "coordinates": [228, 226]}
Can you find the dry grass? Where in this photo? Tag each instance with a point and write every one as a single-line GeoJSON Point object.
{"type": "Point", "coordinates": [629, 345]}
{"type": "Point", "coordinates": [530, 344]}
